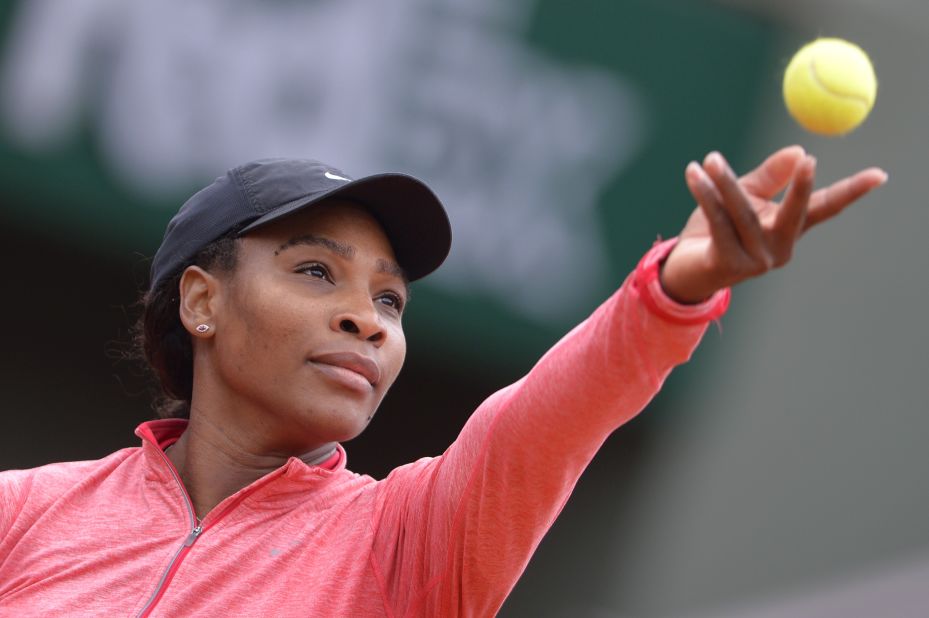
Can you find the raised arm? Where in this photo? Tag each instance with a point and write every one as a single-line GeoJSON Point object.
{"type": "Point", "coordinates": [455, 532]}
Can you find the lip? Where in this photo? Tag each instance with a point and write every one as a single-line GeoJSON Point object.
{"type": "Point", "coordinates": [362, 365]}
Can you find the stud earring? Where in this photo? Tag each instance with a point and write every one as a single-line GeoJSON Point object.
{"type": "Point", "coordinates": [202, 328]}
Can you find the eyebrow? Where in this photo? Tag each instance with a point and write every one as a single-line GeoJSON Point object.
{"type": "Point", "coordinates": [391, 268]}
{"type": "Point", "coordinates": [348, 252]}
{"type": "Point", "coordinates": [339, 248]}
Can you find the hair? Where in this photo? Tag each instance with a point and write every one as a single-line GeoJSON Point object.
{"type": "Point", "coordinates": [159, 338]}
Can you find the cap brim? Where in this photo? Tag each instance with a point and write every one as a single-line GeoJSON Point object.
{"type": "Point", "coordinates": [410, 213]}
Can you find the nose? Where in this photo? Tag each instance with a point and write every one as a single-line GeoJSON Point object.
{"type": "Point", "coordinates": [361, 321]}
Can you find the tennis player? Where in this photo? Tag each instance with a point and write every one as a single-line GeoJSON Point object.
{"type": "Point", "coordinates": [274, 324]}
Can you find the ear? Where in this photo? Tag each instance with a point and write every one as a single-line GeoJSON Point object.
{"type": "Point", "coordinates": [199, 296]}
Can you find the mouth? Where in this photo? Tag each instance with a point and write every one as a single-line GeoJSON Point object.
{"type": "Point", "coordinates": [350, 365]}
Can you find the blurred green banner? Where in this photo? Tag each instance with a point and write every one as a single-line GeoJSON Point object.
{"type": "Point", "coordinates": [556, 133]}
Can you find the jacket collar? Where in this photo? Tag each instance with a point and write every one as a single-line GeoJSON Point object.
{"type": "Point", "coordinates": [157, 435]}
{"type": "Point", "coordinates": [293, 483]}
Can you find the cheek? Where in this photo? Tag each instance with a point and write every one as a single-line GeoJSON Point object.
{"type": "Point", "coordinates": [263, 333]}
{"type": "Point", "coordinates": [394, 355]}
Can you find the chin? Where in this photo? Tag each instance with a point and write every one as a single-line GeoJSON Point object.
{"type": "Point", "coordinates": [334, 424]}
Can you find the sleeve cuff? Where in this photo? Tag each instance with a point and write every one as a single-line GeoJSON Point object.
{"type": "Point", "coordinates": [645, 280]}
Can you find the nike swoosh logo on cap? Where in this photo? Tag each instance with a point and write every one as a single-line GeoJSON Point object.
{"type": "Point", "coordinates": [332, 176]}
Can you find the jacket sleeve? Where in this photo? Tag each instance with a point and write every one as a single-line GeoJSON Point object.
{"type": "Point", "coordinates": [454, 533]}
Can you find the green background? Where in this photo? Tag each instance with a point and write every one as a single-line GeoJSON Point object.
{"type": "Point", "coordinates": [698, 68]}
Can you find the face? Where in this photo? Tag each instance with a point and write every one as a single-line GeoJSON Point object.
{"type": "Point", "coordinates": [308, 326]}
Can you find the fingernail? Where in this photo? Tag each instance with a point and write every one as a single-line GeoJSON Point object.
{"type": "Point", "coordinates": [885, 176]}
{"type": "Point", "coordinates": [714, 159]}
{"type": "Point", "coordinates": [724, 165]}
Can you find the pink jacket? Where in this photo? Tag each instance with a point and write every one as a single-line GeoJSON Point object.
{"type": "Point", "coordinates": [443, 536]}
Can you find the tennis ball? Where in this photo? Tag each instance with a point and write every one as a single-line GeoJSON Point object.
{"type": "Point", "coordinates": [830, 86]}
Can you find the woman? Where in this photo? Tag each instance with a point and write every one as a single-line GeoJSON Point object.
{"type": "Point", "coordinates": [274, 322]}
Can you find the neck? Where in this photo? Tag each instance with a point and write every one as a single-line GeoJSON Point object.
{"type": "Point", "coordinates": [214, 462]}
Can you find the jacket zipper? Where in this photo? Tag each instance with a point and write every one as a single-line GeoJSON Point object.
{"type": "Point", "coordinates": [196, 529]}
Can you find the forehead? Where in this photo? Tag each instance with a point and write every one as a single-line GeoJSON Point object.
{"type": "Point", "coordinates": [336, 220]}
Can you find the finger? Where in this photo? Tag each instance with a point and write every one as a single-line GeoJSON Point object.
{"type": "Point", "coordinates": [830, 201]}
{"type": "Point", "coordinates": [707, 197]}
{"type": "Point", "coordinates": [774, 173]}
{"type": "Point", "coordinates": [791, 216]}
{"type": "Point", "coordinates": [739, 208]}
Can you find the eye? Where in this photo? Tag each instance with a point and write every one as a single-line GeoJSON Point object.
{"type": "Point", "coordinates": [391, 299]}
{"type": "Point", "coordinates": [316, 270]}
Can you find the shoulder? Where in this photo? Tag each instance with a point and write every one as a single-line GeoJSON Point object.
{"type": "Point", "coordinates": [48, 482]}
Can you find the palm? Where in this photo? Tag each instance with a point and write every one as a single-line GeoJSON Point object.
{"type": "Point", "coordinates": [738, 231]}
{"type": "Point", "coordinates": [698, 227]}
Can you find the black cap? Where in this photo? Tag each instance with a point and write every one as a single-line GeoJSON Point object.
{"type": "Point", "coordinates": [259, 192]}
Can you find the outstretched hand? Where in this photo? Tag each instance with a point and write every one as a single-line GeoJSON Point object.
{"type": "Point", "coordinates": [737, 232]}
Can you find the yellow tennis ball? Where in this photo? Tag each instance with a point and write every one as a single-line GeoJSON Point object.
{"type": "Point", "coordinates": [830, 86]}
